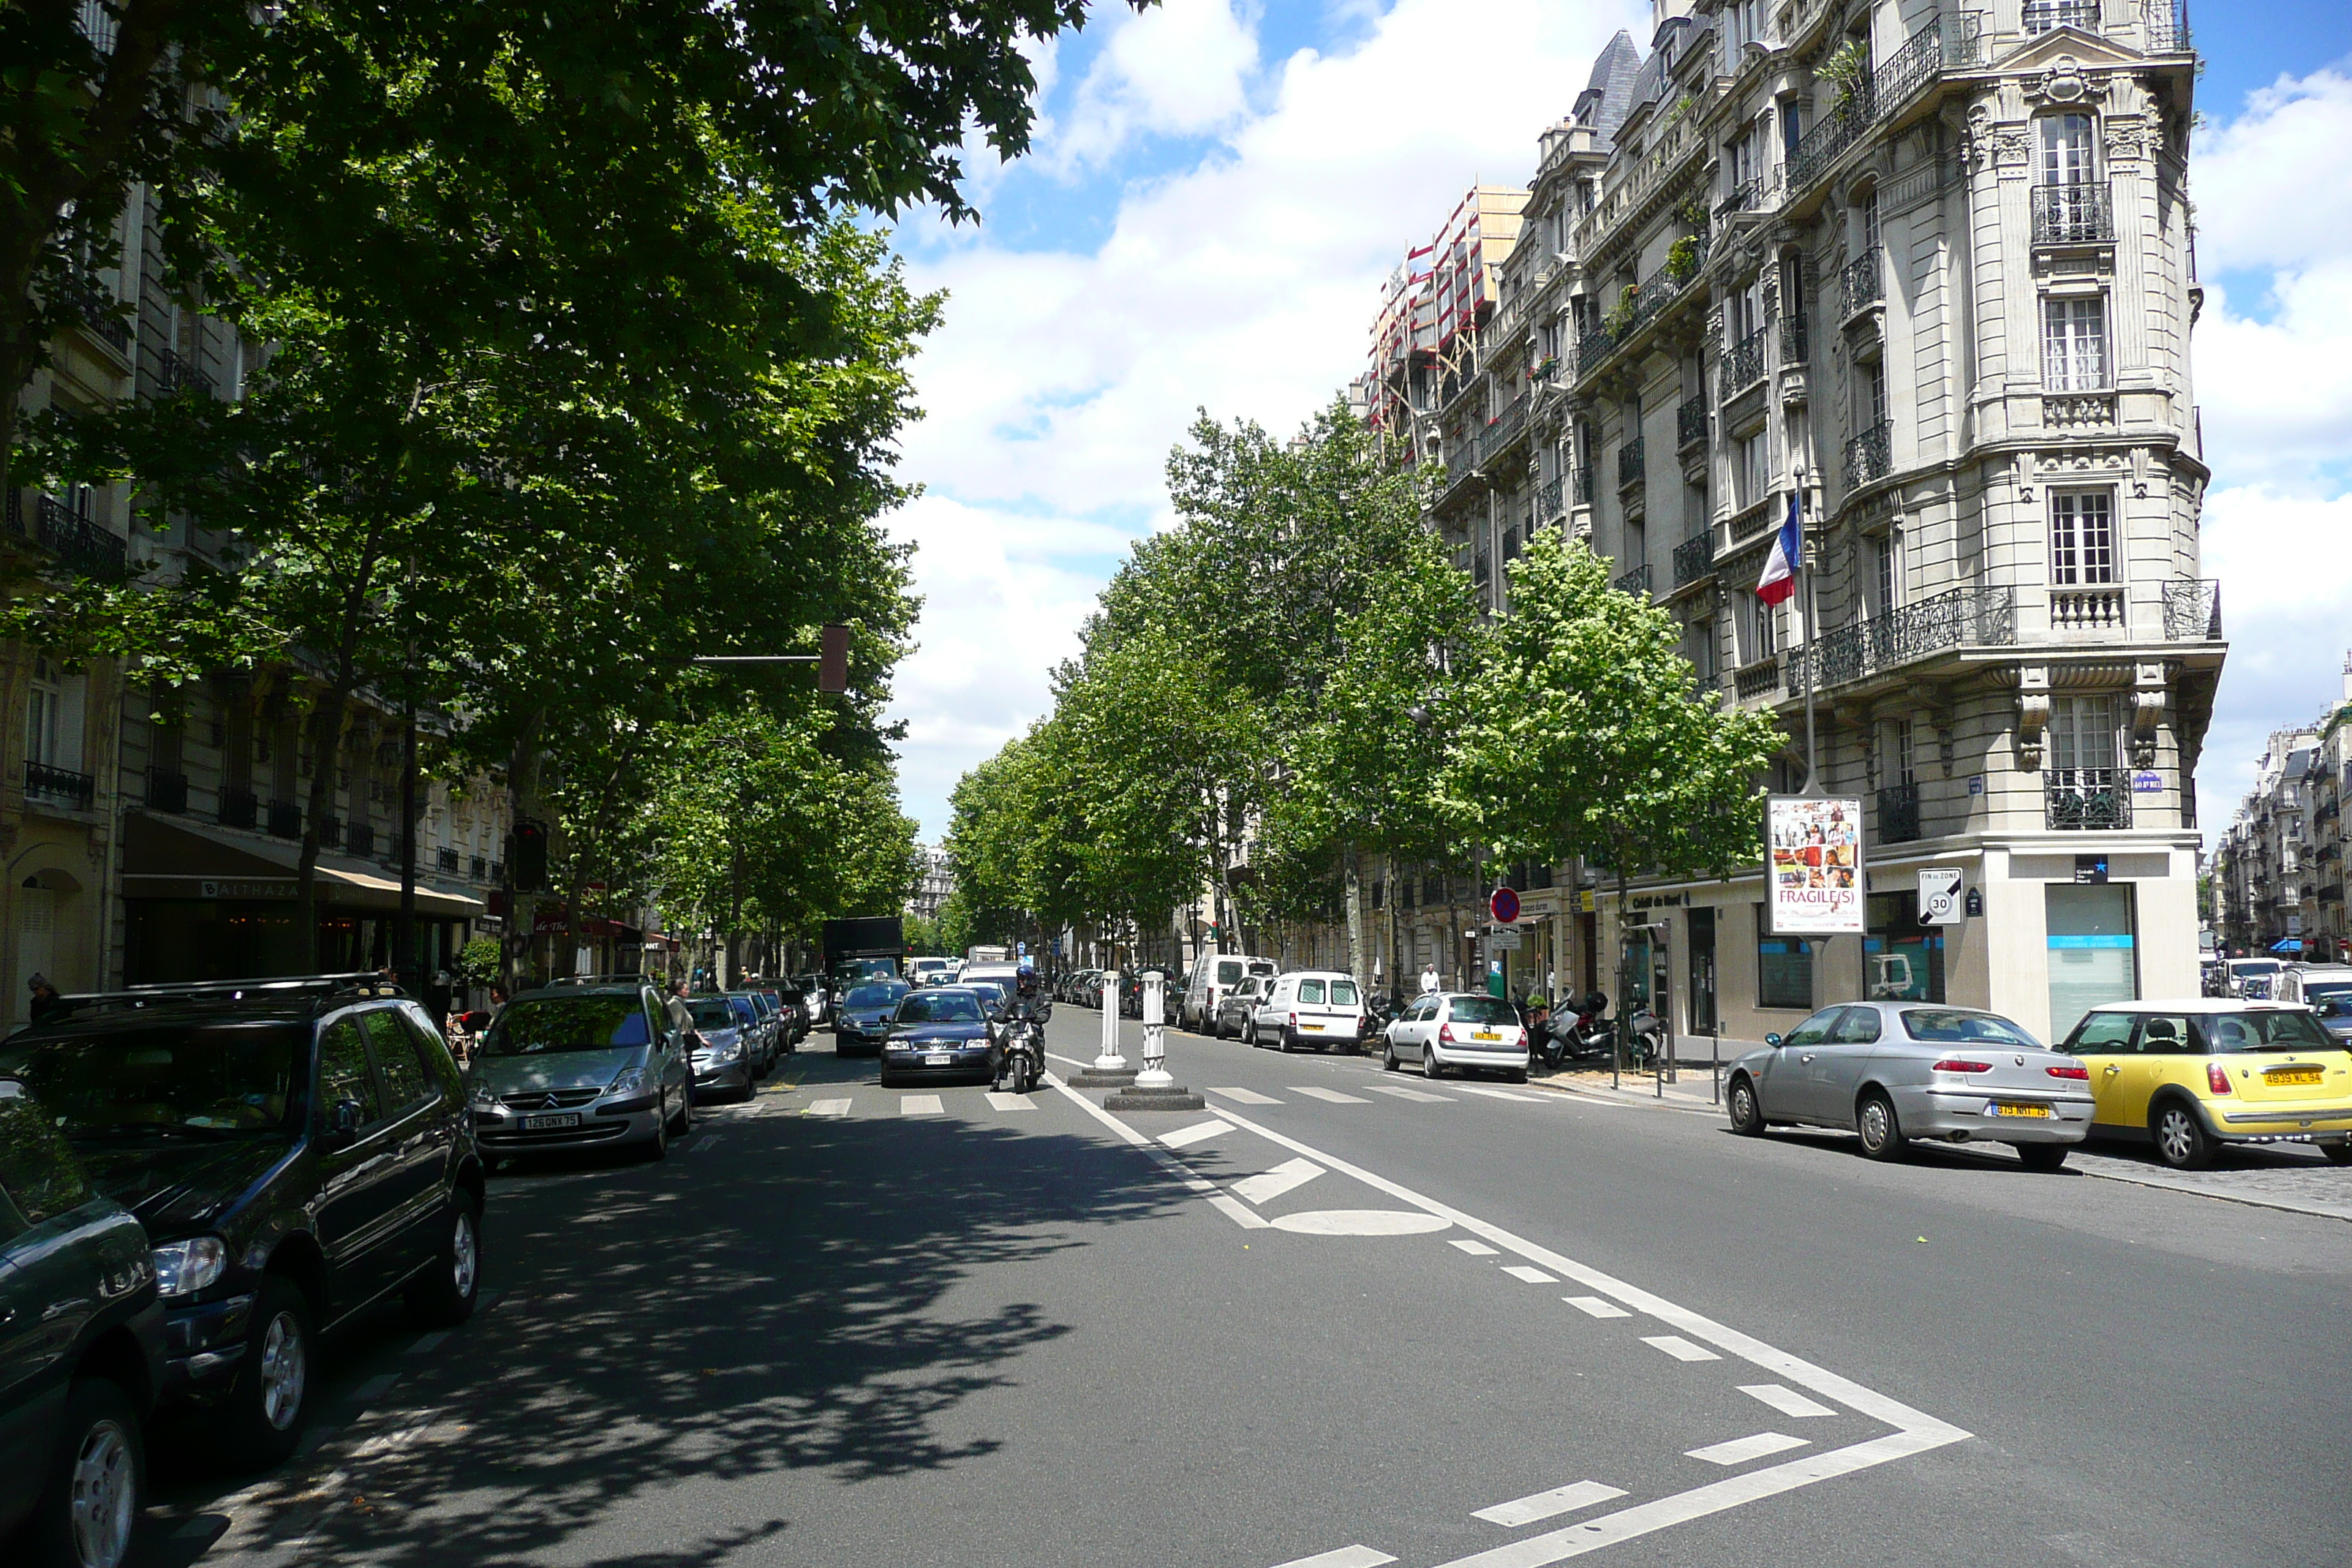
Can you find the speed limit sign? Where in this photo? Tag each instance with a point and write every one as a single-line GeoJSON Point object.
{"type": "Point", "coordinates": [1939, 895]}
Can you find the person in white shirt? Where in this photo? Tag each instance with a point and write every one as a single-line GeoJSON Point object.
{"type": "Point", "coordinates": [1428, 979]}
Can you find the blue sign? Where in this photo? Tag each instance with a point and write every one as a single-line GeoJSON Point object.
{"type": "Point", "coordinates": [2148, 784]}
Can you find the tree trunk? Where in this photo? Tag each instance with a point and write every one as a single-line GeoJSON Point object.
{"type": "Point", "coordinates": [1356, 917]}
{"type": "Point", "coordinates": [326, 725]}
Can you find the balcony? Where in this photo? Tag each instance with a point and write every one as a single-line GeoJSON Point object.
{"type": "Point", "coordinates": [2046, 16]}
{"type": "Point", "coordinates": [1633, 459]}
{"type": "Point", "coordinates": [1547, 507]}
{"type": "Point", "coordinates": [446, 862]}
{"type": "Point", "coordinates": [70, 536]}
{"type": "Point", "coordinates": [285, 819]}
{"type": "Point", "coordinates": [1743, 364]}
{"type": "Point", "coordinates": [479, 868]}
{"type": "Point", "coordinates": [2192, 610]}
{"type": "Point", "coordinates": [1955, 41]}
{"type": "Point", "coordinates": [1832, 135]}
{"type": "Point", "coordinates": [1694, 558]}
{"type": "Point", "coordinates": [2086, 800]}
{"type": "Point", "coordinates": [2166, 23]}
{"type": "Point", "coordinates": [1500, 431]}
{"type": "Point", "coordinates": [167, 792]}
{"type": "Point", "coordinates": [1958, 617]}
{"type": "Point", "coordinates": [100, 311]}
{"type": "Point", "coordinates": [238, 809]}
{"type": "Point", "coordinates": [1761, 679]}
{"type": "Point", "coordinates": [1637, 307]}
{"type": "Point", "coordinates": [2086, 609]}
{"type": "Point", "coordinates": [175, 375]}
{"type": "Point", "coordinates": [2073, 214]}
{"type": "Point", "coordinates": [359, 838]}
{"type": "Point", "coordinates": [60, 786]}
{"type": "Point", "coordinates": [330, 832]}
{"type": "Point", "coordinates": [1690, 423]}
{"type": "Point", "coordinates": [1898, 814]}
{"type": "Point", "coordinates": [1793, 347]}
{"type": "Point", "coordinates": [1460, 463]}
{"type": "Point", "coordinates": [1869, 457]}
{"type": "Point", "coordinates": [1863, 283]}
{"type": "Point", "coordinates": [1636, 581]}
{"type": "Point", "coordinates": [1581, 485]}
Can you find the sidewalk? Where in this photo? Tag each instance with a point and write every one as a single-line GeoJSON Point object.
{"type": "Point", "coordinates": [1694, 1092]}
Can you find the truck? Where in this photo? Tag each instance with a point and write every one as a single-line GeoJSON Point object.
{"type": "Point", "coordinates": [868, 944]}
{"type": "Point", "coordinates": [987, 956]}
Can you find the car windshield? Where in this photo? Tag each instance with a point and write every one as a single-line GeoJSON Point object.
{"type": "Point", "coordinates": [2224, 1033]}
{"type": "Point", "coordinates": [207, 1077]}
{"type": "Point", "coordinates": [989, 991]}
{"type": "Point", "coordinates": [2332, 1005]}
{"type": "Point", "coordinates": [537, 1026]}
{"type": "Point", "coordinates": [874, 996]}
{"type": "Point", "coordinates": [2321, 992]}
{"type": "Point", "coordinates": [940, 1008]}
{"type": "Point", "coordinates": [712, 1013]}
{"type": "Point", "coordinates": [1949, 1027]}
{"type": "Point", "coordinates": [1482, 1010]}
{"type": "Point", "coordinates": [744, 1011]}
{"type": "Point", "coordinates": [2255, 966]}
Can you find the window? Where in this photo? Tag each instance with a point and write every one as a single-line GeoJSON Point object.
{"type": "Point", "coordinates": [1876, 383]}
{"type": "Point", "coordinates": [1310, 993]}
{"type": "Point", "coordinates": [2103, 1035]}
{"type": "Point", "coordinates": [1856, 1027]}
{"type": "Point", "coordinates": [2069, 155]}
{"type": "Point", "coordinates": [44, 722]}
{"type": "Point", "coordinates": [2074, 344]}
{"type": "Point", "coordinates": [1751, 469]}
{"type": "Point", "coordinates": [1888, 565]}
{"type": "Point", "coordinates": [2081, 537]}
{"type": "Point", "coordinates": [1901, 960]}
{"type": "Point", "coordinates": [1870, 235]}
{"type": "Point", "coordinates": [344, 1072]}
{"type": "Point", "coordinates": [39, 1178]}
{"type": "Point", "coordinates": [1784, 968]}
{"type": "Point", "coordinates": [1764, 628]}
{"type": "Point", "coordinates": [404, 1083]}
{"type": "Point", "coordinates": [1814, 1030]}
{"type": "Point", "coordinates": [2084, 741]}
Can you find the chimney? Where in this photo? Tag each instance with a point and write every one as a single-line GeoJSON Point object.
{"type": "Point", "coordinates": [2348, 676]}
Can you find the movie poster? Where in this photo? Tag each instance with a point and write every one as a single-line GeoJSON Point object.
{"type": "Point", "coordinates": [1813, 872]}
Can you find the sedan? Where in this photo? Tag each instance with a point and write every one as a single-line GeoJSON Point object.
{"type": "Point", "coordinates": [864, 1020]}
{"type": "Point", "coordinates": [1232, 1015]}
{"type": "Point", "coordinates": [1893, 1071]}
{"type": "Point", "coordinates": [1459, 1031]}
{"type": "Point", "coordinates": [940, 1031]}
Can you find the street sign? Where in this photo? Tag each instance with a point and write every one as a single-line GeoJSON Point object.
{"type": "Point", "coordinates": [1504, 905]}
{"type": "Point", "coordinates": [1503, 938]}
{"type": "Point", "coordinates": [1939, 895]}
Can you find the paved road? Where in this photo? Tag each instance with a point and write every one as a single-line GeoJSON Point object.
{"type": "Point", "coordinates": [1347, 1318]}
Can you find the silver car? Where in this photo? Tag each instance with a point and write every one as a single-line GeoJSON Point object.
{"type": "Point", "coordinates": [1893, 1071]}
{"type": "Point", "coordinates": [726, 1046]}
{"type": "Point", "coordinates": [579, 1065]}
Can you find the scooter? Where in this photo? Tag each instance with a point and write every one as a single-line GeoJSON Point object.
{"type": "Point", "coordinates": [1024, 1062]}
{"type": "Point", "coordinates": [1587, 1035]}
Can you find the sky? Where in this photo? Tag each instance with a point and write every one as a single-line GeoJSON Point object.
{"type": "Point", "coordinates": [1216, 189]}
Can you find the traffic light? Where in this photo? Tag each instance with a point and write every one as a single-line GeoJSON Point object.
{"type": "Point", "coordinates": [527, 857]}
{"type": "Point", "coordinates": [832, 659]}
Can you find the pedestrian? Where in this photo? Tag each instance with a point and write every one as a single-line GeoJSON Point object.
{"type": "Point", "coordinates": [46, 1003]}
{"type": "Point", "coordinates": [1428, 978]}
{"type": "Point", "coordinates": [681, 1017]}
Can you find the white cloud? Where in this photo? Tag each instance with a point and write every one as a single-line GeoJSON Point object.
{"type": "Point", "coordinates": [2283, 154]}
{"type": "Point", "coordinates": [1181, 69]}
{"type": "Point", "coordinates": [2277, 394]}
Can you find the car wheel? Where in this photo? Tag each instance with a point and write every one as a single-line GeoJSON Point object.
{"type": "Point", "coordinates": [1388, 1057]}
{"type": "Point", "coordinates": [2042, 1156]}
{"type": "Point", "coordinates": [2338, 1153]}
{"type": "Point", "coordinates": [1517, 1075]}
{"type": "Point", "coordinates": [659, 1149]}
{"type": "Point", "coordinates": [98, 1482]}
{"type": "Point", "coordinates": [269, 1404]}
{"type": "Point", "coordinates": [1429, 1068]}
{"type": "Point", "coordinates": [1249, 1033]}
{"type": "Point", "coordinates": [443, 1296]}
{"type": "Point", "coordinates": [2180, 1141]}
{"type": "Point", "coordinates": [1747, 1111]}
{"type": "Point", "coordinates": [1882, 1134]}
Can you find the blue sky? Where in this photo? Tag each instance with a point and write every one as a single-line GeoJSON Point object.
{"type": "Point", "coordinates": [1218, 187]}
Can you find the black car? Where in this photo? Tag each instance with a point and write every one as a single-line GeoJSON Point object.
{"type": "Point", "coordinates": [864, 1020]}
{"type": "Point", "coordinates": [81, 1352]}
{"type": "Point", "coordinates": [297, 1150]}
{"type": "Point", "coordinates": [940, 1031]}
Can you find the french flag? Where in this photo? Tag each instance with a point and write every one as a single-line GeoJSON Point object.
{"type": "Point", "coordinates": [1779, 579]}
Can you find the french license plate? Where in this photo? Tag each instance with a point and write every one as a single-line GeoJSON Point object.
{"type": "Point", "coordinates": [545, 1124]}
{"type": "Point", "coordinates": [2292, 1076]}
{"type": "Point", "coordinates": [939, 1059]}
{"type": "Point", "coordinates": [2037, 1110]}
{"type": "Point", "coordinates": [1311, 1025]}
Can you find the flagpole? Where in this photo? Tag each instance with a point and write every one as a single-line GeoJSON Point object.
{"type": "Point", "coordinates": [1805, 578]}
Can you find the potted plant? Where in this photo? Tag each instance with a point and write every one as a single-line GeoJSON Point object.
{"type": "Point", "coordinates": [1683, 257]}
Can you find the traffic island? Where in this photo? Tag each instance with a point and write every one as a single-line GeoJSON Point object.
{"type": "Point", "coordinates": [1101, 1078]}
{"type": "Point", "coordinates": [1165, 1097]}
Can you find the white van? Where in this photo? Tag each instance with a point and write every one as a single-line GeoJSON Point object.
{"type": "Point", "coordinates": [1309, 1007]}
{"type": "Point", "coordinates": [1216, 973]}
{"type": "Point", "coordinates": [929, 970]}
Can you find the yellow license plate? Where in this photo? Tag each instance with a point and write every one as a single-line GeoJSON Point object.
{"type": "Point", "coordinates": [1311, 1025]}
{"type": "Point", "coordinates": [2291, 1075]}
{"type": "Point", "coordinates": [2021, 1111]}
{"type": "Point", "coordinates": [1486, 1035]}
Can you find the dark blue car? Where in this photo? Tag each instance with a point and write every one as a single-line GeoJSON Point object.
{"type": "Point", "coordinates": [941, 1032]}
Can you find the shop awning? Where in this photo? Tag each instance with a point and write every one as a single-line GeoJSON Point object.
{"type": "Point", "coordinates": [172, 857]}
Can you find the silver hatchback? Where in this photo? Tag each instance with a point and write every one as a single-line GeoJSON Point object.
{"type": "Point", "coordinates": [1892, 1071]}
{"type": "Point", "coordinates": [577, 1065]}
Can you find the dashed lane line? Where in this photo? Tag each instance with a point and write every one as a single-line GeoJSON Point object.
{"type": "Point", "coordinates": [1787, 1401]}
{"type": "Point", "coordinates": [1739, 1451]}
{"type": "Point", "coordinates": [1010, 1102]}
{"type": "Point", "coordinates": [1680, 1348]}
{"type": "Point", "coordinates": [1549, 1504]}
{"type": "Point", "coordinates": [1474, 1248]}
{"type": "Point", "coordinates": [1346, 1557]}
{"type": "Point", "coordinates": [828, 1108]}
{"type": "Point", "coordinates": [1184, 1137]}
{"type": "Point", "coordinates": [1532, 1275]}
{"type": "Point", "coordinates": [1592, 1306]}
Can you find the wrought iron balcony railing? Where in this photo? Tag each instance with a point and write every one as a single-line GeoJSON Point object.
{"type": "Point", "coordinates": [100, 311]}
{"type": "Point", "coordinates": [238, 809]}
{"type": "Point", "coordinates": [479, 867]}
{"type": "Point", "coordinates": [1690, 423]}
{"type": "Point", "coordinates": [167, 791]}
{"type": "Point", "coordinates": [2166, 23]}
{"type": "Point", "coordinates": [1694, 558]}
{"type": "Point", "coordinates": [2087, 799]}
{"type": "Point", "coordinates": [72, 538]}
{"type": "Point", "coordinates": [446, 861]}
{"type": "Point", "coordinates": [359, 838]}
{"type": "Point", "coordinates": [330, 832]}
{"type": "Point", "coordinates": [285, 819]}
{"type": "Point", "coordinates": [1743, 362]}
{"type": "Point", "coordinates": [1636, 581]}
{"type": "Point", "coordinates": [1501, 429]}
{"type": "Point", "coordinates": [1869, 457]}
{"type": "Point", "coordinates": [174, 374]}
{"type": "Point", "coordinates": [1863, 282]}
{"type": "Point", "coordinates": [62, 785]}
{"type": "Point", "coordinates": [1945, 41]}
{"type": "Point", "coordinates": [1898, 814]}
{"type": "Point", "coordinates": [2073, 214]}
{"type": "Point", "coordinates": [1632, 459]}
{"type": "Point", "coordinates": [1547, 507]}
{"type": "Point", "coordinates": [2044, 16]}
{"type": "Point", "coordinates": [1792, 340]}
{"type": "Point", "coordinates": [1958, 617]}
{"type": "Point", "coordinates": [1638, 307]}
{"type": "Point", "coordinates": [2192, 610]}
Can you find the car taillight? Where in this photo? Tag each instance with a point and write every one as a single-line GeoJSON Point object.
{"type": "Point", "coordinates": [2083, 1073]}
{"type": "Point", "coordinates": [1960, 1064]}
{"type": "Point", "coordinates": [2217, 1078]}
{"type": "Point", "coordinates": [1294, 1020]}
{"type": "Point", "coordinates": [1446, 1033]}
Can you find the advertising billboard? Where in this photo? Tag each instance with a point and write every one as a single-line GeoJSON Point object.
{"type": "Point", "coordinates": [1814, 879]}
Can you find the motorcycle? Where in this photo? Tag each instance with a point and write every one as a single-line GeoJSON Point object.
{"type": "Point", "coordinates": [1583, 1033]}
{"type": "Point", "coordinates": [1024, 1062]}
{"type": "Point", "coordinates": [1644, 1040]}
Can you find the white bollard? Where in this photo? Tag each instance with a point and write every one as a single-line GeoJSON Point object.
{"type": "Point", "coordinates": [1110, 1060]}
{"type": "Point", "coordinates": [1155, 1033]}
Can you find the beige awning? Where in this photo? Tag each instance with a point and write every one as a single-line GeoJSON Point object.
{"type": "Point", "coordinates": [171, 857]}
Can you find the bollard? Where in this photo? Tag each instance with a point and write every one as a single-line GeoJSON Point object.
{"type": "Point", "coordinates": [1153, 1089]}
{"type": "Point", "coordinates": [1109, 1069]}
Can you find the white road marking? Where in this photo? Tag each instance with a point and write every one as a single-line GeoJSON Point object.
{"type": "Point", "coordinates": [1532, 1275]}
{"type": "Point", "coordinates": [427, 1343]}
{"type": "Point", "coordinates": [1010, 1102]}
{"type": "Point", "coordinates": [1739, 1451]}
{"type": "Point", "coordinates": [1333, 1095]}
{"type": "Point", "coordinates": [699, 1144]}
{"type": "Point", "coordinates": [921, 1105]}
{"type": "Point", "coordinates": [1544, 1505]}
{"type": "Point", "coordinates": [1346, 1557]}
{"type": "Point", "coordinates": [1474, 1248]}
{"type": "Point", "coordinates": [1595, 1306]}
{"type": "Point", "coordinates": [828, 1108]}
{"type": "Point", "coordinates": [1497, 1093]}
{"type": "Point", "coordinates": [1360, 1222]}
{"type": "Point", "coordinates": [1245, 1096]}
{"type": "Point", "coordinates": [1679, 1348]}
{"type": "Point", "coordinates": [1240, 1213]}
{"type": "Point", "coordinates": [1288, 1176]}
{"type": "Point", "coordinates": [374, 1387]}
{"type": "Point", "coordinates": [1185, 1136]}
{"type": "Point", "coordinates": [1787, 1401]}
{"type": "Point", "coordinates": [1400, 1092]}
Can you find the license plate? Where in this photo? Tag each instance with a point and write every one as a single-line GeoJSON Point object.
{"type": "Point", "coordinates": [2292, 1075]}
{"type": "Point", "coordinates": [542, 1123]}
{"type": "Point", "coordinates": [939, 1059]}
{"type": "Point", "coordinates": [2041, 1111]}
{"type": "Point", "coordinates": [1486, 1035]}
{"type": "Point", "coordinates": [1311, 1025]}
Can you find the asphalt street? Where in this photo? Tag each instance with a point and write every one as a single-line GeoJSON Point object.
{"type": "Point", "coordinates": [1340, 1317]}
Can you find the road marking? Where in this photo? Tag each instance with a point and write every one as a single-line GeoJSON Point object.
{"type": "Point", "coordinates": [1544, 1505]}
{"type": "Point", "coordinates": [828, 1108]}
{"type": "Point", "coordinates": [1288, 1176]}
{"type": "Point", "coordinates": [1239, 1213]}
{"type": "Point", "coordinates": [920, 1105]}
{"type": "Point", "coordinates": [1185, 1136]}
{"type": "Point", "coordinates": [1333, 1095]}
{"type": "Point", "coordinates": [699, 1144]}
{"type": "Point", "coordinates": [1679, 1348]}
{"type": "Point", "coordinates": [1498, 1093]}
{"type": "Point", "coordinates": [425, 1343]}
{"type": "Point", "coordinates": [1346, 1557]}
{"type": "Point", "coordinates": [1532, 1275]}
{"type": "Point", "coordinates": [1594, 1306]}
{"type": "Point", "coordinates": [1010, 1102]}
{"type": "Point", "coordinates": [374, 1387]}
{"type": "Point", "coordinates": [1787, 1401]}
{"type": "Point", "coordinates": [1360, 1222]}
{"type": "Point", "coordinates": [1245, 1096]}
{"type": "Point", "coordinates": [1474, 1248]}
{"type": "Point", "coordinates": [1402, 1093]}
{"type": "Point", "coordinates": [1739, 1451]}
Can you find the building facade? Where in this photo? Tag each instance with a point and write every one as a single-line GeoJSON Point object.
{"type": "Point", "coordinates": [2278, 869]}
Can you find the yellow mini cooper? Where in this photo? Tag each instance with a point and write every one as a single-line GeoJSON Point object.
{"type": "Point", "coordinates": [2191, 1076]}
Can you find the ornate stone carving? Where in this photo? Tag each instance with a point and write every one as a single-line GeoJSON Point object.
{"type": "Point", "coordinates": [1976, 140]}
{"type": "Point", "coordinates": [2033, 715]}
{"type": "Point", "coordinates": [2129, 143]}
{"type": "Point", "coordinates": [2148, 711]}
{"type": "Point", "coordinates": [2061, 83]}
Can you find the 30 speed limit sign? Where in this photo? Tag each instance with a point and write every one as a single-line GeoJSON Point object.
{"type": "Point", "coordinates": [1939, 895]}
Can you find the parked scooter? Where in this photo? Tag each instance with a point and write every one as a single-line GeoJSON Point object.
{"type": "Point", "coordinates": [1644, 1040]}
{"type": "Point", "coordinates": [1586, 1035]}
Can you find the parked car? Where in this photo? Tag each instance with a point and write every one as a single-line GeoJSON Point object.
{"type": "Point", "coordinates": [586, 1067]}
{"type": "Point", "coordinates": [2326, 990]}
{"type": "Point", "coordinates": [1458, 1030]}
{"type": "Point", "coordinates": [298, 1151]}
{"type": "Point", "coordinates": [815, 996]}
{"type": "Point", "coordinates": [1309, 1007]}
{"type": "Point", "coordinates": [929, 970]}
{"type": "Point", "coordinates": [940, 1031]}
{"type": "Point", "coordinates": [790, 1026]}
{"type": "Point", "coordinates": [864, 1020]}
{"type": "Point", "coordinates": [81, 1352]}
{"type": "Point", "coordinates": [1215, 974]}
{"type": "Point", "coordinates": [766, 1035]}
{"type": "Point", "coordinates": [1231, 1018]}
{"type": "Point", "coordinates": [2253, 977]}
{"type": "Point", "coordinates": [1895, 1070]}
{"type": "Point", "coordinates": [2189, 1077]}
{"type": "Point", "coordinates": [726, 1048]}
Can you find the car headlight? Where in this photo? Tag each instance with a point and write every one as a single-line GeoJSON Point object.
{"type": "Point", "coordinates": [185, 1267]}
{"type": "Point", "coordinates": [485, 1097]}
{"type": "Point", "coordinates": [627, 1081]}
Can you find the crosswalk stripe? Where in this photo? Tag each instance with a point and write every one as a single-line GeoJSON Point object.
{"type": "Point", "coordinates": [1346, 1557]}
{"type": "Point", "coordinates": [1544, 1505]}
{"type": "Point", "coordinates": [1402, 1093]}
{"type": "Point", "coordinates": [921, 1105]}
{"type": "Point", "coordinates": [1474, 1248]}
{"type": "Point", "coordinates": [1787, 1401]}
{"type": "Point", "coordinates": [1245, 1095]}
{"type": "Point", "coordinates": [1495, 1093]}
{"type": "Point", "coordinates": [1739, 1451]}
{"type": "Point", "coordinates": [1333, 1095]}
{"type": "Point", "coordinates": [1010, 1102]}
{"type": "Point", "coordinates": [1288, 1176]}
{"type": "Point", "coordinates": [1194, 1133]}
{"type": "Point", "coordinates": [829, 1108]}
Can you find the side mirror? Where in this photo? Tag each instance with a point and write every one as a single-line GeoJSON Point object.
{"type": "Point", "coordinates": [343, 1122]}
{"type": "Point", "coordinates": [1774, 1041]}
